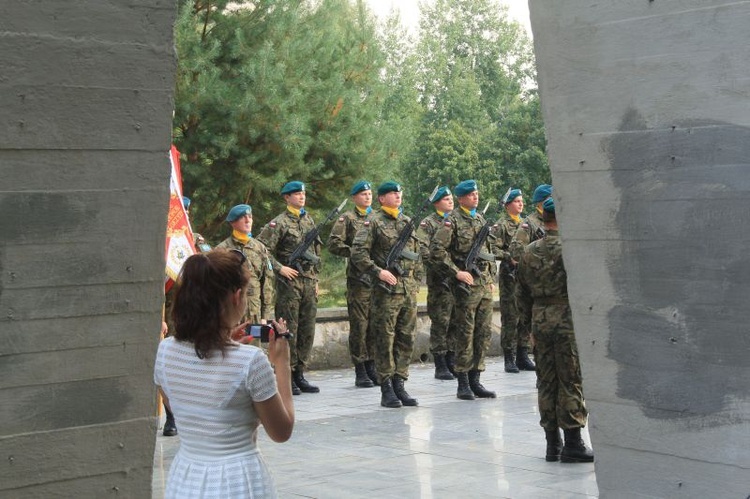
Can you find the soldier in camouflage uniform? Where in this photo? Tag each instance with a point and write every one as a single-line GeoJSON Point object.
{"type": "Point", "coordinates": [260, 292]}
{"type": "Point", "coordinates": [531, 229]}
{"type": "Point", "coordinates": [394, 296]}
{"type": "Point", "coordinates": [472, 293]}
{"type": "Point", "coordinates": [358, 285]}
{"type": "Point", "coordinates": [542, 297]}
{"type": "Point", "coordinates": [439, 295]}
{"type": "Point", "coordinates": [296, 292]}
{"type": "Point", "coordinates": [504, 230]}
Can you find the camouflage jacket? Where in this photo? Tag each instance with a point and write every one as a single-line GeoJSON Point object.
{"type": "Point", "coordinates": [429, 225]}
{"type": "Point", "coordinates": [342, 236]}
{"type": "Point", "coordinates": [283, 234]}
{"type": "Point", "coordinates": [453, 241]}
{"type": "Point", "coordinates": [531, 229]}
{"type": "Point", "coordinates": [542, 290]}
{"type": "Point", "coordinates": [260, 293]}
{"type": "Point", "coordinates": [373, 243]}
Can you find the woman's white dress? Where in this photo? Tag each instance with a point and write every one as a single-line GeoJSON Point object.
{"type": "Point", "coordinates": [212, 401]}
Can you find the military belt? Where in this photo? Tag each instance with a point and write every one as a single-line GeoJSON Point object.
{"type": "Point", "coordinates": [550, 300]}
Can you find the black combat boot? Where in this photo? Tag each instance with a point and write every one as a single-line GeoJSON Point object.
{"type": "Point", "coordinates": [510, 361]}
{"type": "Point", "coordinates": [295, 388]}
{"type": "Point", "coordinates": [464, 390]}
{"type": "Point", "coordinates": [361, 379]}
{"type": "Point", "coordinates": [450, 362]}
{"type": "Point", "coordinates": [574, 450]}
{"type": "Point", "coordinates": [441, 369]}
{"type": "Point", "coordinates": [477, 388]}
{"type": "Point", "coordinates": [523, 361]}
{"type": "Point", "coordinates": [388, 397]}
{"type": "Point", "coordinates": [170, 428]}
{"type": "Point", "coordinates": [370, 368]}
{"type": "Point", "coordinates": [400, 391]}
{"type": "Point", "coordinates": [302, 383]}
{"type": "Point", "coordinates": [554, 445]}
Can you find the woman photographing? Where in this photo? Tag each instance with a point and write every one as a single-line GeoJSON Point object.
{"type": "Point", "coordinates": [219, 389]}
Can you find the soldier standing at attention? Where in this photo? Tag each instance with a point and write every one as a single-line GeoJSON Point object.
{"type": "Point", "coordinates": [439, 295]}
{"type": "Point", "coordinates": [531, 229]}
{"type": "Point", "coordinates": [358, 285]}
{"type": "Point", "coordinates": [296, 292]}
{"type": "Point", "coordinates": [472, 293]}
{"type": "Point", "coordinates": [511, 341]}
{"type": "Point", "coordinates": [260, 292]}
{"type": "Point", "coordinates": [542, 297]}
{"type": "Point", "coordinates": [394, 297]}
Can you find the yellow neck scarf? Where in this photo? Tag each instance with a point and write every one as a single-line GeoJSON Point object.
{"type": "Point", "coordinates": [393, 212]}
{"type": "Point", "coordinates": [468, 212]}
{"type": "Point", "coordinates": [293, 210]}
{"type": "Point", "coordinates": [240, 236]}
{"type": "Point", "coordinates": [515, 218]}
{"type": "Point", "coordinates": [362, 211]}
{"type": "Point", "coordinates": [539, 208]}
{"type": "Point", "coordinates": [441, 214]}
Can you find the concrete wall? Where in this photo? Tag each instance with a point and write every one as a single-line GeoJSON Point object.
{"type": "Point", "coordinates": [85, 121]}
{"type": "Point", "coordinates": [647, 115]}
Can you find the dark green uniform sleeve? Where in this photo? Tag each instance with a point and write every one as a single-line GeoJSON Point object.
{"type": "Point", "coordinates": [269, 236]}
{"type": "Point", "coordinates": [268, 285]}
{"type": "Point", "coordinates": [440, 249]}
{"type": "Point", "coordinates": [361, 246]}
{"type": "Point", "coordinates": [337, 240]}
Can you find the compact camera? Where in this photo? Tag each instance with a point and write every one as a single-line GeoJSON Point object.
{"type": "Point", "coordinates": [258, 331]}
{"type": "Point", "coordinates": [261, 331]}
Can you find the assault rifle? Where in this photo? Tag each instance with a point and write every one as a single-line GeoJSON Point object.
{"type": "Point", "coordinates": [398, 250]}
{"type": "Point", "coordinates": [302, 251]}
{"type": "Point", "coordinates": [475, 253]}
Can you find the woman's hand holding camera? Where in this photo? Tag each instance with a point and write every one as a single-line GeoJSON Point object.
{"type": "Point", "coordinates": [278, 344]}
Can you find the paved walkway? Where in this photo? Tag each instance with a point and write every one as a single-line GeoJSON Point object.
{"type": "Point", "coordinates": [346, 446]}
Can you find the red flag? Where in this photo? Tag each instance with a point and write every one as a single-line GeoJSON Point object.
{"type": "Point", "coordinates": [179, 245]}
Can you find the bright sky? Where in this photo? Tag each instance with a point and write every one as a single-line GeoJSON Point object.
{"type": "Point", "coordinates": [518, 10]}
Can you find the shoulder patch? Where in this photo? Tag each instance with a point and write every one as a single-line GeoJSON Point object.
{"type": "Point", "coordinates": [423, 224]}
{"type": "Point", "coordinates": [367, 223]}
{"type": "Point", "coordinates": [341, 219]}
{"type": "Point", "coordinates": [272, 224]}
{"type": "Point", "coordinates": [524, 225]}
{"type": "Point", "coordinates": [447, 223]}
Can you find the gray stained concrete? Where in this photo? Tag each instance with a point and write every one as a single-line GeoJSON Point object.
{"type": "Point", "coordinates": [346, 446]}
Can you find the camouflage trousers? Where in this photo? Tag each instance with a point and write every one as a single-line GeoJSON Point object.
{"type": "Point", "coordinates": [559, 382]}
{"type": "Point", "coordinates": [361, 339]}
{"type": "Point", "coordinates": [296, 302]}
{"type": "Point", "coordinates": [440, 309]}
{"type": "Point", "coordinates": [393, 321]}
{"type": "Point", "coordinates": [472, 324]}
{"type": "Point", "coordinates": [514, 333]}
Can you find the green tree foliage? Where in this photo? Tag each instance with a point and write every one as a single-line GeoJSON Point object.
{"type": "Point", "coordinates": [274, 90]}
{"type": "Point", "coordinates": [316, 90]}
{"type": "Point", "coordinates": [481, 114]}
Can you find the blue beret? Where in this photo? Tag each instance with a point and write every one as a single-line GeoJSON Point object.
{"type": "Point", "coordinates": [360, 186]}
{"type": "Point", "coordinates": [239, 211]}
{"type": "Point", "coordinates": [465, 187]}
{"type": "Point", "coordinates": [541, 193]}
{"type": "Point", "coordinates": [186, 202]}
{"type": "Point", "coordinates": [511, 195]}
{"type": "Point", "coordinates": [292, 187]}
{"type": "Point", "coordinates": [389, 186]}
{"type": "Point", "coordinates": [549, 205]}
{"type": "Point", "coordinates": [442, 192]}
